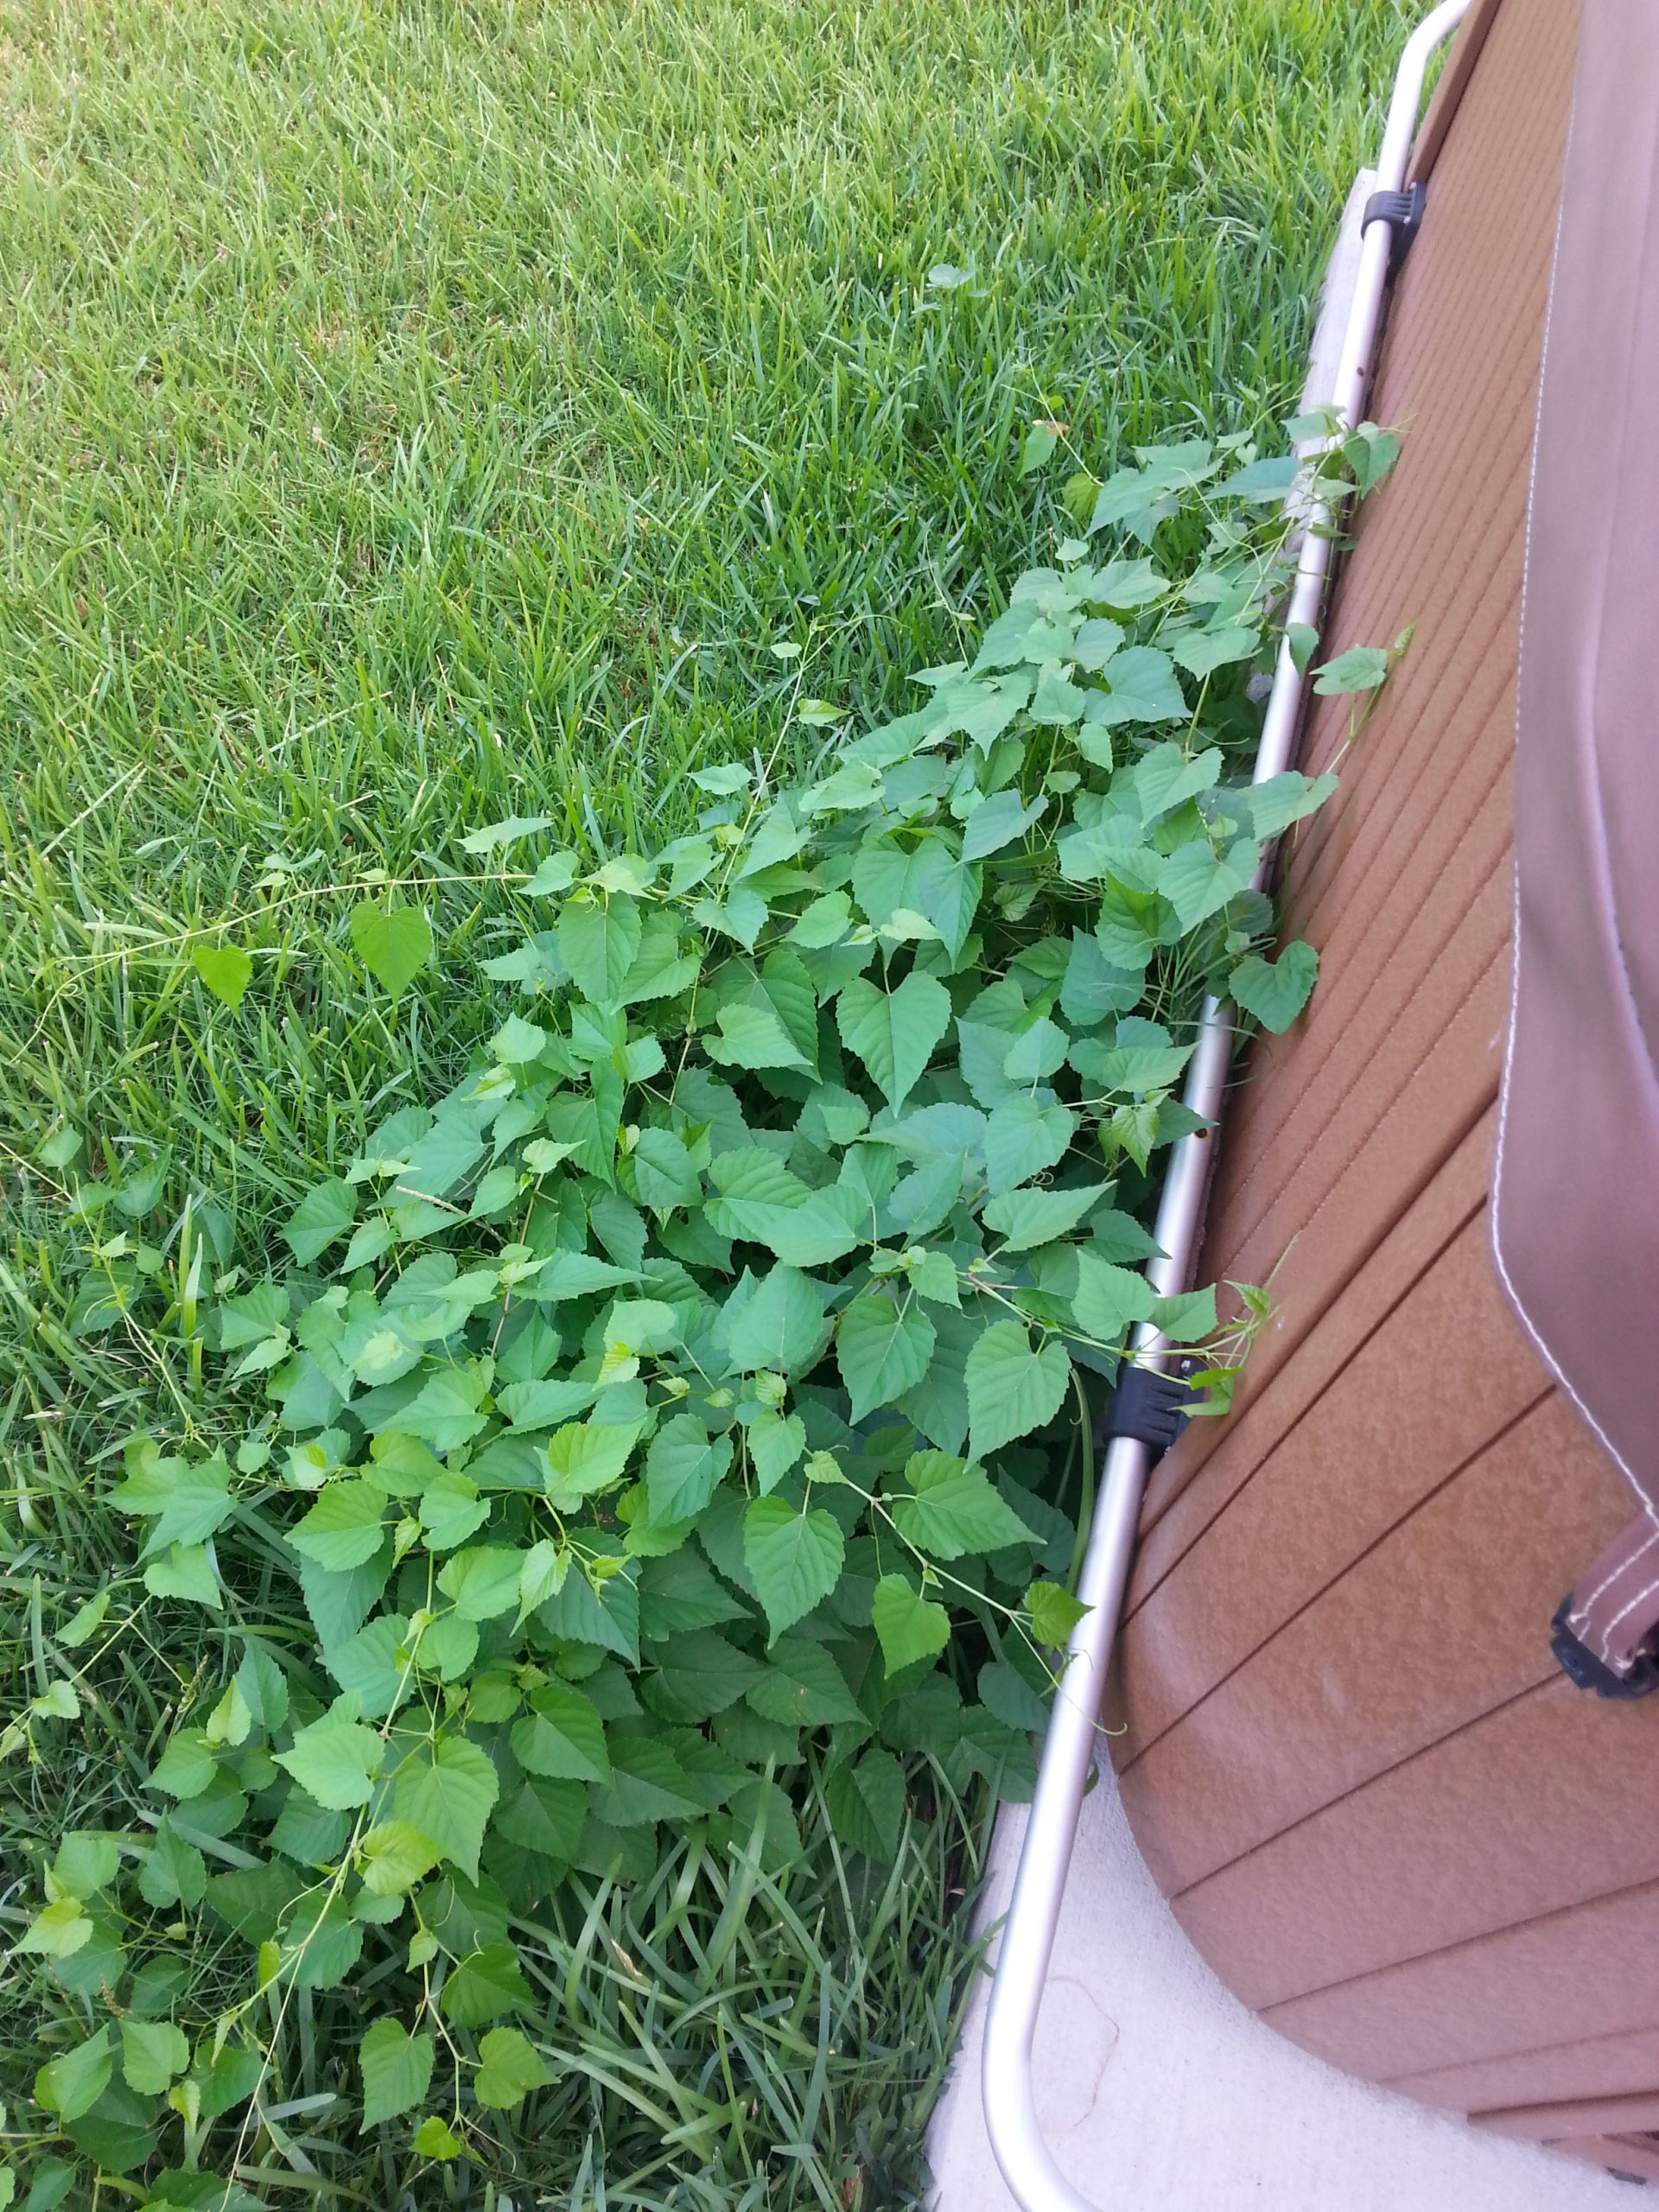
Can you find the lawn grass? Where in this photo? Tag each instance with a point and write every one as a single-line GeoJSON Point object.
{"type": "Point", "coordinates": [414, 415]}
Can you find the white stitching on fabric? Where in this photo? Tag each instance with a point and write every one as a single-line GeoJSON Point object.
{"type": "Point", "coordinates": [1548, 1357]}
{"type": "Point", "coordinates": [1581, 1605]}
{"type": "Point", "coordinates": [1624, 1611]}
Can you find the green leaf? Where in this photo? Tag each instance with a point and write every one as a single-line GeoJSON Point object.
{"type": "Point", "coordinates": [584, 1459]}
{"type": "Point", "coordinates": [335, 1759]}
{"type": "Point", "coordinates": [894, 1033]}
{"type": "Point", "coordinates": [1022, 1139]}
{"type": "Point", "coordinates": [396, 2068]}
{"type": "Point", "coordinates": [663, 1174]}
{"type": "Point", "coordinates": [1025, 1219]}
{"type": "Point", "coordinates": [184, 1571]}
{"type": "Point", "coordinates": [1197, 881]}
{"type": "Point", "coordinates": [225, 969]}
{"type": "Point", "coordinates": [908, 1626]}
{"type": "Point", "coordinates": [753, 1037]}
{"type": "Point", "coordinates": [882, 1348]}
{"type": "Point", "coordinates": [1168, 776]}
{"type": "Point", "coordinates": [1274, 805]}
{"type": "Point", "coordinates": [865, 1803]}
{"type": "Point", "coordinates": [494, 834]}
{"type": "Point", "coordinates": [778, 1325]}
{"type": "Point", "coordinates": [1040, 440]}
{"type": "Point", "coordinates": [1189, 1317]}
{"type": "Point", "coordinates": [86, 1863]}
{"type": "Point", "coordinates": [701, 1674]}
{"type": "Point", "coordinates": [804, 1686]}
{"type": "Point", "coordinates": [1361, 668]}
{"type": "Point", "coordinates": [393, 1856]}
{"type": "Point", "coordinates": [1107, 1298]}
{"type": "Point", "coordinates": [562, 1735]}
{"type": "Point", "coordinates": [1054, 1612]}
{"type": "Point", "coordinates": [72, 2085]}
{"type": "Point", "coordinates": [84, 1624]}
{"type": "Point", "coordinates": [393, 946]}
{"type": "Point", "coordinates": [57, 1931]}
{"type": "Point", "coordinates": [684, 1468]}
{"type": "Point", "coordinates": [1202, 652]}
{"type": "Point", "coordinates": [483, 1580]}
{"type": "Point", "coordinates": [447, 1795]}
{"type": "Point", "coordinates": [435, 2138]}
{"type": "Point", "coordinates": [1275, 991]}
{"type": "Point", "coordinates": [952, 1508]}
{"type": "Point", "coordinates": [187, 1767]}
{"type": "Point", "coordinates": [1141, 687]}
{"type": "Point", "coordinates": [794, 1558]}
{"type": "Point", "coordinates": [1011, 1389]}
{"type": "Point", "coordinates": [776, 1443]}
{"type": "Point", "coordinates": [154, 2053]}
{"type": "Point", "coordinates": [998, 821]}
{"type": "Point", "coordinates": [325, 1212]}
{"type": "Point", "coordinates": [598, 940]}
{"type": "Point", "coordinates": [484, 1984]}
{"type": "Point", "coordinates": [510, 2068]}
{"type": "Point", "coordinates": [344, 1527]}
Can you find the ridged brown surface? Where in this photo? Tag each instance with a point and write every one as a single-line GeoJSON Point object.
{"type": "Point", "coordinates": [1382, 1812]}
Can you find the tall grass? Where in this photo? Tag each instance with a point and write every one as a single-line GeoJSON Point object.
{"type": "Point", "coordinates": [414, 414]}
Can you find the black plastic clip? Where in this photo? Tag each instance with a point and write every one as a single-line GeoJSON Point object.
{"type": "Point", "coordinates": [1581, 1665]}
{"type": "Point", "coordinates": [1150, 1406]}
{"type": "Point", "coordinates": [1403, 213]}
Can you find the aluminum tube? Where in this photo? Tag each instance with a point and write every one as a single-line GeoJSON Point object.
{"type": "Point", "coordinates": [1027, 1939]}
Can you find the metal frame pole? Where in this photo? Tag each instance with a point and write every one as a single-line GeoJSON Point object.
{"type": "Point", "coordinates": [1028, 1938]}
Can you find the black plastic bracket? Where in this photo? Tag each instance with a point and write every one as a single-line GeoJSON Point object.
{"type": "Point", "coordinates": [1150, 1406]}
{"type": "Point", "coordinates": [1581, 1665]}
{"type": "Point", "coordinates": [1403, 213]}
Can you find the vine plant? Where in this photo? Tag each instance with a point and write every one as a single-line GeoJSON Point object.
{"type": "Point", "coordinates": [674, 1408]}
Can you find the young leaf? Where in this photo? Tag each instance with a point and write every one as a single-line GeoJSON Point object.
{"type": "Point", "coordinates": [394, 946]}
{"type": "Point", "coordinates": [1027, 1219]}
{"type": "Point", "coordinates": [776, 1443]}
{"type": "Point", "coordinates": [1275, 991]}
{"type": "Point", "coordinates": [882, 1348]}
{"type": "Point", "coordinates": [908, 1626]}
{"type": "Point", "coordinates": [393, 1856]}
{"type": "Point", "coordinates": [866, 1804]}
{"type": "Point", "coordinates": [325, 1212]}
{"type": "Point", "coordinates": [753, 1037]}
{"type": "Point", "coordinates": [447, 1794]}
{"type": "Point", "coordinates": [795, 1558]}
{"type": "Point", "coordinates": [1011, 1389]}
{"type": "Point", "coordinates": [1189, 1317]}
{"type": "Point", "coordinates": [225, 969]}
{"type": "Point", "coordinates": [562, 1735]}
{"type": "Point", "coordinates": [435, 2138]}
{"type": "Point", "coordinates": [1361, 668]}
{"type": "Point", "coordinates": [598, 940]}
{"type": "Point", "coordinates": [335, 1760]}
{"type": "Point", "coordinates": [510, 2068]}
{"type": "Point", "coordinates": [1054, 1612]}
{"type": "Point", "coordinates": [684, 1467]}
{"type": "Point", "coordinates": [396, 2068]}
{"type": "Point", "coordinates": [483, 1580]}
{"type": "Point", "coordinates": [1022, 1139]}
{"type": "Point", "coordinates": [1107, 1298]}
{"type": "Point", "coordinates": [895, 1033]}
{"type": "Point", "coordinates": [952, 1508]}
{"type": "Point", "coordinates": [344, 1527]}
{"type": "Point", "coordinates": [72, 2085]}
{"type": "Point", "coordinates": [778, 1326]}
{"type": "Point", "coordinates": [154, 2054]}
